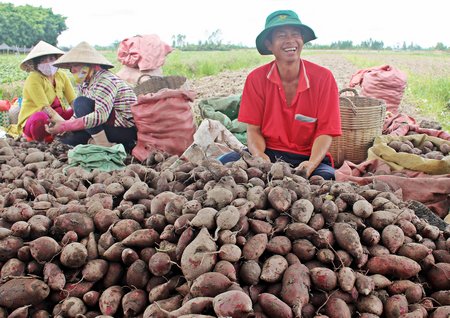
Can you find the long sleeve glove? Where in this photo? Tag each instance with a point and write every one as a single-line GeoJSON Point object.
{"type": "Point", "coordinates": [68, 125]}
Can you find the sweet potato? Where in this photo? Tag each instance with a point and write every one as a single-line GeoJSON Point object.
{"type": "Point", "coordinates": [21, 312]}
{"type": "Point", "coordinates": [279, 198]}
{"type": "Point", "coordinates": [160, 264]}
{"type": "Point", "coordinates": [74, 255]}
{"type": "Point", "coordinates": [392, 237]}
{"type": "Point", "coordinates": [349, 240]}
{"type": "Point", "coordinates": [370, 304]}
{"type": "Point", "coordinates": [397, 266]}
{"type": "Point", "coordinates": [134, 302]}
{"type": "Point", "coordinates": [297, 230]}
{"type": "Point", "coordinates": [205, 217]}
{"type": "Point", "coordinates": [273, 268]}
{"type": "Point", "coordinates": [380, 281]}
{"type": "Point", "coordinates": [346, 278]}
{"type": "Point", "coordinates": [442, 297]}
{"type": "Point", "coordinates": [160, 308]}
{"type": "Point", "coordinates": [110, 299]}
{"type": "Point", "coordinates": [255, 247]}
{"type": "Point", "coordinates": [303, 249]}
{"type": "Point", "coordinates": [370, 236]}
{"type": "Point", "coordinates": [141, 238]}
{"type": "Point", "coordinates": [192, 306]}
{"type": "Point", "coordinates": [257, 195]}
{"type": "Point", "coordinates": [197, 257]}
{"type": "Point", "coordinates": [441, 312]}
{"type": "Point", "coordinates": [123, 228]}
{"type": "Point", "coordinates": [337, 308]}
{"type": "Point", "coordinates": [323, 278]}
{"type": "Point", "coordinates": [80, 223]}
{"type": "Point", "coordinates": [163, 291]}
{"type": "Point", "coordinates": [279, 245]}
{"type": "Point", "coordinates": [94, 270]}
{"type": "Point", "coordinates": [91, 298]}
{"type": "Point", "coordinates": [54, 276]}
{"type": "Point", "coordinates": [227, 218]}
{"type": "Point", "coordinates": [18, 212]}
{"type": "Point", "coordinates": [295, 287]}
{"type": "Point", "coordinates": [43, 249]}
{"type": "Point", "coordinates": [302, 210]}
{"type": "Point", "coordinates": [249, 272]}
{"type": "Point", "coordinates": [414, 251]}
{"type": "Point", "coordinates": [329, 211]}
{"type": "Point", "coordinates": [12, 267]}
{"type": "Point", "coordinates": [395, 306]}
{"type": "Point", "coordinates": [274, 307]}
{"type": "Point", "coordinates": [230, 252]}
{"type": "Point", "coordinates": [210, 285]}
{"type": "Point", "coordinates": [227, 269]}
{"type": "Point", "coordinates": [232, 303]}
{"type": "Point", "coordinates": [138, 274]}
{"type": "Point", "coordinates": [364, 284]}
{"type": "Point", "coordinates": [19, 292]}
{"type": "Point", "coordinates": [72, 307]}
{"type": "Point", "coordinates": [439, 276]}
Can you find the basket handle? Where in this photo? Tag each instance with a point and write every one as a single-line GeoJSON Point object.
{"type": "Point", "coordinates": [352, 106]}
{"type": "Point", "coordinates": [348, 89]}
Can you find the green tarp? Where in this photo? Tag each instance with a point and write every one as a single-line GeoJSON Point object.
{"type": "Point", "coordinates": [92, 157]}
{"type": "Point", "coordinates": [225, 110]}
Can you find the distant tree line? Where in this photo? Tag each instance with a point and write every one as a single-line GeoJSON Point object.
{"type": "Point", "coordinates": [25, 26]}
{"type": "Point", "coordinates": [214, 43]}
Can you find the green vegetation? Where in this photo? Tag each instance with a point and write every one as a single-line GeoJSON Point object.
{"type": "Point", "coordinates": [428, 80]}
{"type": "Point", "coordinates": [428, 77]}
{"type": "Point", "coordinates": [206, 63]}
{"type": "Point", "coordinates": [27, 25]}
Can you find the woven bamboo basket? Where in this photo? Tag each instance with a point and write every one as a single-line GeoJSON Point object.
{"type": "Point", "coordinates": [362, 120]}
{"type": "Point", "coordinates": [155, 83]}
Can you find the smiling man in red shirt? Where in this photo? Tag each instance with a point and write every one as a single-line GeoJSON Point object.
{"type": "Point", "coordinates": [291, 105]}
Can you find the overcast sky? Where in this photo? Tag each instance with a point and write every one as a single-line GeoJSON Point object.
{"type": "Point", "coordinates": [101, 22]}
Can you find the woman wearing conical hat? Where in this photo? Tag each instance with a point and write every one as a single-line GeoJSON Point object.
{"type": "Point", "coordinates": [103, 107]}
{"type": "Point", "coordinates": [45, 87]}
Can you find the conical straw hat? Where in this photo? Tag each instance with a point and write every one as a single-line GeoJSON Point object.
{"type": "Point", "coordinates": [41, 49]}
{"type": "Point", "coordinates": [83, 53]}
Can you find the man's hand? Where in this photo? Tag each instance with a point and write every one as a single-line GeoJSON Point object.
{"type": "Point", "coordinates": [263, 156]}
{"type": "Point", "coordinates": [305, 169]}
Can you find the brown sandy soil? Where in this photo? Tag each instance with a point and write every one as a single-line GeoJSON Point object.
{"type": "Point", "coordinates": [232, 82]}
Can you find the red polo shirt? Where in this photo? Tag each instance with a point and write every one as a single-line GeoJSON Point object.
{"type": "Point", "coordinates": [264, 104]}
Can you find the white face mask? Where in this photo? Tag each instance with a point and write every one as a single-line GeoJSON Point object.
{"type": "Point", "coordinates": [47, 69]}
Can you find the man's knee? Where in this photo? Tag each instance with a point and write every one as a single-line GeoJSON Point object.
{"type": "Point", "coordinates": [229, 157]}
{"type": "Point", "coordinates": [325, 171]}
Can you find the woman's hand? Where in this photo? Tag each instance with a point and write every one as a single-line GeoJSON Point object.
{"type": "Point", "coordinates": [74, 124]}
{"type": "Point", "coordinates": [55, 128]}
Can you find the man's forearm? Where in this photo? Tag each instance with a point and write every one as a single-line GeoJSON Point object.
{"type": "Point", "coordinates": [320, 148]}
{"type": "Point", "coordinates": [256, 142]}
{"type": "Point", "coordinates": [257, 145]}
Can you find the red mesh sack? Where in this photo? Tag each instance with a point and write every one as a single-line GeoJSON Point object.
{"type": "Point", "coordinates": [383, 82]}
{"type": "Point", "coordinates": [164, 121]}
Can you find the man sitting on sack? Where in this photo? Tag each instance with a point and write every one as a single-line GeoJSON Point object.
{"type": "Point", "coordinates": [103, 108]}
{"type": "Point", "coordinates": [290, 105]}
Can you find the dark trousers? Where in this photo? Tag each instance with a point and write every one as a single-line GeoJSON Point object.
{"type": "Point", "coordinates": [324, 169]}
{"type": "Point", "coordinates": [83, 106]}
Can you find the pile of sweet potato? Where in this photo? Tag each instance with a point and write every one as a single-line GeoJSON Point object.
{"type": "Point", "coordinates": [426, 149]}
{"type": "Point", "coordinates": [168, 238]}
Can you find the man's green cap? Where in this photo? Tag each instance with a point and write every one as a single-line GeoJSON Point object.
{"type": "Point", "coordinates": [282, 18]}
